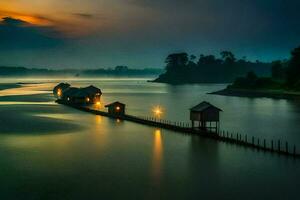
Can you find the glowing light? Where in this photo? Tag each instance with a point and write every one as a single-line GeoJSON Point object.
{"type": "Point", "coordinates": [98, 103]}
{"type": "Point", "coordinates": [87, 99]}
{"type": "Point", "coordinates": [118, 108]}
{"type": "Point", "coordinates": [68, 98]}
{"type": "Point", "coordinates": [157, 111]}
{"type": "Point", "coordinates": [59, 92]}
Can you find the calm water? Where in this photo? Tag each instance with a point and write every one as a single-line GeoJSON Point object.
{"type": "Point", "coordinates": [48, 151]}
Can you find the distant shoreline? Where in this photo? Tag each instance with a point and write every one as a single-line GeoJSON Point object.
{"type": "Point", "coordinates": [274, 94]}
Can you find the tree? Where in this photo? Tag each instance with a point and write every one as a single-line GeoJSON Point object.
{"type": "Point", "coordinates": [278, 71]}
{"type": "Point", "coordinates": [251, 76]}
{"type": "Point", "coordinates": [293, 71]}
{"type": "Point", "coordinates": [191, 63]}
{"type": "Point", "coordinates": [206, 60]}
{"type": "Point", "coordinates": [228, 57]}
{"type": "Point", "coordinates": [192, 58]}
{"type": "Point", "coordinates": [121, 68]}
{"type": "Point", "coordinates": [176, 61]}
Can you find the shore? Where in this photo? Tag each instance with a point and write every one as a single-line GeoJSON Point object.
{"type": "Point", "coordinates": [274, 94]}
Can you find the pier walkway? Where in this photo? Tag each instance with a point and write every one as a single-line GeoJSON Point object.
{"type": "Point", "coordinates": [274, 146]}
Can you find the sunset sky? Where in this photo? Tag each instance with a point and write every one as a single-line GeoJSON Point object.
{"type": "Point", "coordinates": [140, 33]}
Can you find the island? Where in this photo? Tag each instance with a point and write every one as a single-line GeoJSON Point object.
{"type": "Point", "coordinates": [284, 82]}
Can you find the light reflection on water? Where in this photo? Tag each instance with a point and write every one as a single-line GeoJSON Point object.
{"type": "Point", "coordinates": [57, 116]}
{"type": "Point", "coordinates": [28, 89]}
{"type": "Point", "coordinates": [26, 103]}
{"type": "Point", "coordinates": [157, 156]}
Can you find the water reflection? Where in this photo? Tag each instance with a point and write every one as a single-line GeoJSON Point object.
{"type": "Point", "coordinates": [204, 161]}
{"type": "Point", "coordinates": [157, 157]}
{"type": "Point", "coordinates": [98, 119]}
{"type": "Point", "coordinates": [26, 103]}
{"type": "Point", "coordinates": [28, 89]}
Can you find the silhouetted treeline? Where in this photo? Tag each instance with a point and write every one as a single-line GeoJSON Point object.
{"type": "Point", "coordinates": [284, 75]}
{"type": "Point", "coordinates": [182, 68]}
{"type": "Point", "coordinates": [117, 71]}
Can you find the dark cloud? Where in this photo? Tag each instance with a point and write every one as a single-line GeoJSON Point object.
{"type": "Point", "coordinates": [84, 15]}
{"type": "Point", "coordinates": [16, 34]}
{"type": "Point", "coordinates": [8, 21]}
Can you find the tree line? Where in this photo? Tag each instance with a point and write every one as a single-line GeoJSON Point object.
{"type": "Point", "coordinates": [288, 71]}
{"type": "Point", "coordinates": [184, 68]}
{"type": "Point", "coordinates": [284, 75]}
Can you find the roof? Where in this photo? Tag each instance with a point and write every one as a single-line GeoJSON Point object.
{"type": "Point", "coordinates": [203, 106]}
{"type": "Point", "coordinates": [71, 91]}
{"type": "Point", "coordinates": [81, 92]}
{"type": "Point", "coordinates": [91, 90]}
{"type": "Point", "coordinates": [62, 86]}
{"type": "Point", "coordinates": [115, 103]}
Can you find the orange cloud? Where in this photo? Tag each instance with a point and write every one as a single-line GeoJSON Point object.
{"type": "Point", "coordinates": [77, 24]}
{"type": "Point", "coordinates": [31, 19]}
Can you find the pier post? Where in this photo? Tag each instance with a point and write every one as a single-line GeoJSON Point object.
{"type": "Point", "coordinates": [246, 138]}
{"type": "Point", "coordinates": [272, 145]}
{"type": "Point", "coordinates": [258, 142]}
{"type": "Point", "coordinates": [278, 145]}
{"type": "Point", "coordinates": [294, 150]}
{"type": "Point", "coordinates": [286, 147]}
{"type": "Point", "coordinates": [265, 144]}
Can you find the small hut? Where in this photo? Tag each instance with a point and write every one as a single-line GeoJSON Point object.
{"type": "Point", "coordinates": [207, 116]}
{"type": "Point", "coordinates": [116, 108]}
{"type": "Point", "coordinates": [59, 89]}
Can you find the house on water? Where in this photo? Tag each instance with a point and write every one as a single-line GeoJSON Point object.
{"type": "Point", "coordinates": [207, 116]}
{"type": "Point", "coordinates": [116, 108]}
{"type": "Point", "coordinates": [73, 95]}
{"type": "Point", "coordinates": [87, 95]}
{"type": "Point", "coordinates": [58, 90]}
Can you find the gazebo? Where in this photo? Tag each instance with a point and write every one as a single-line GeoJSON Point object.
{"type": "Point", "coordinates": [207, 116]}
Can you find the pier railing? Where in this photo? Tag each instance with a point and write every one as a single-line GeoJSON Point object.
{"type": "Point", "coordinates": [275, 146]}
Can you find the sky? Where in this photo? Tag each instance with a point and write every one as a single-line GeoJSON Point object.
{"type": "Point", "coordinates": [141, 33]}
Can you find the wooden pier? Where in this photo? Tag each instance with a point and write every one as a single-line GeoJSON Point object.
{"type": "Point", "coordinates": [274, 146]}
